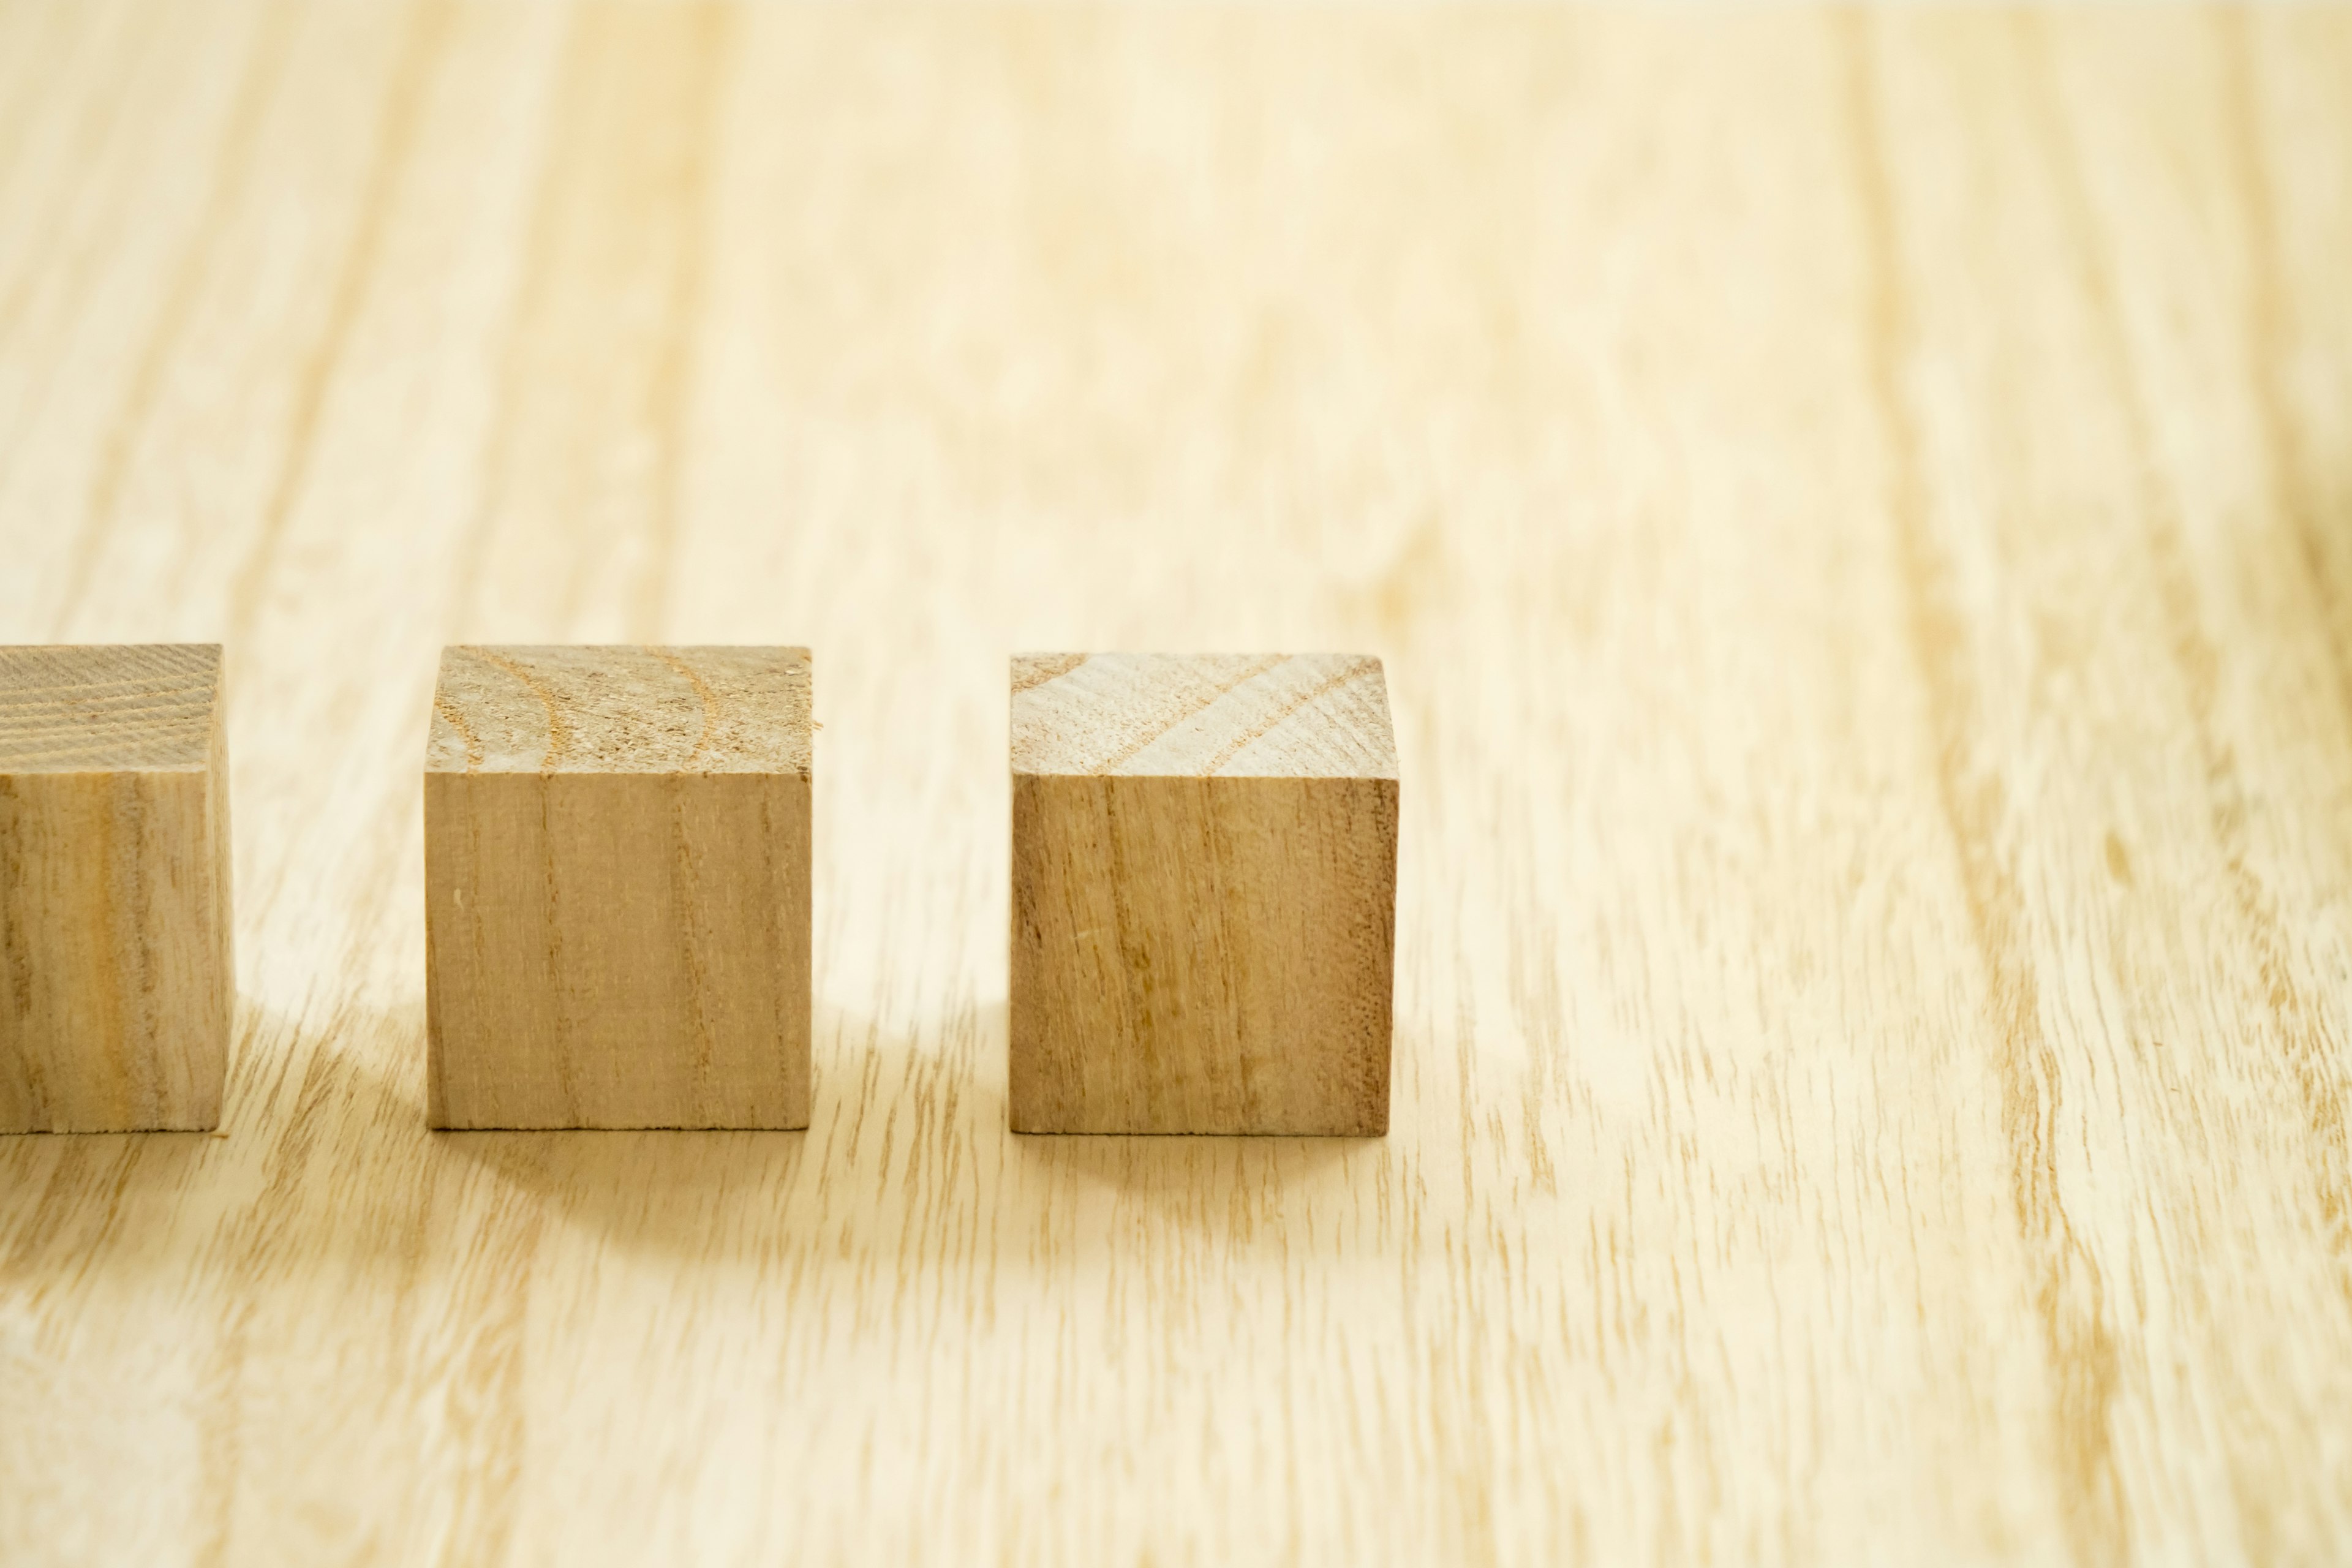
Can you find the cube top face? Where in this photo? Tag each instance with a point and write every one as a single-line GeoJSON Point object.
{"type": "Point", "coordinates": [146, 708]}
{"type": "Point", "coordinates": [629, 709]}
{"type": "Point", "coordinates": [1154, 715]}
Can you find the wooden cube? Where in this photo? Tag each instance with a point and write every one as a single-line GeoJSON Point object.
{"type": "Point", "coordinates": [1204, 894]}
{"type": "Point", "coordinates": [116, 983]}
{"type": "Point", "coordinates": [616, 870]}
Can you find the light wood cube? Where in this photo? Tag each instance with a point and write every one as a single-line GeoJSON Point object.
{"type": "Point", "coordinates": [616, 869]}
{"type": "Point", "coordinates": [116, 982]}
{"type": "Point", "coordinates": [1204, 894]}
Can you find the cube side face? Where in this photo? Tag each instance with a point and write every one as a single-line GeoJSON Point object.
{"type": "Point", "coordinates": [117, 988]}
{"type": "Point", "coordinates": [617, 950]}
{"type": "Point", "coordinates": [1201, 956]}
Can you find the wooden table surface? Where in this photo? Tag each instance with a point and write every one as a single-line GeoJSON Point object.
{"type": "Point", "coordinates": [1858, 510]}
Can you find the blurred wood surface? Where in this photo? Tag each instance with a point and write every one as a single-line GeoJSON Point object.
{"type": "Point", "coordinates": [1857, 510]}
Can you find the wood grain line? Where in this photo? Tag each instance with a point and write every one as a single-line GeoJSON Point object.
{"type": "Point", "coordinates": [2070, 1292]}
{"type": "Point", "coordinates": [22, 110]}
{"type": "Point", "coordinates": [354, 279]}
{"type": "Point", "coordinates": [261, 1233]}
{"type": "Point", "coordinates": [468, 566]}
{"type": "Point", "coordinates": [96, 133]}
{"type": "Point", "coordinates": [17, 954]}
{"type": "Point", "coordinates": [2270, 340]}
{"type": "Point", "coordinates": [456, 716]}
{"type": "Point", "coordinates": [552, 913]}
{"type": "Point", "coordinates": [1033, 671]}
{"type": "Point", "coordinates": [558, 725]}
{"type": "Point", "coordinates": [1210, 699]}
{"type": "Point", "coordinates": [1256, 733]}
{"type": "Point", "coordinates": [695, 933]}
{"type": "Point", "coordinates": [225, 188]}
{"type": "Point", "coordinates": [703, 694]}
{"type": "Point", "coordinates": [2309, 1046]}
{"type": "Point", "coordinates": [485, 1408]}
{"type": "Point", "coordinates": [673, 372]}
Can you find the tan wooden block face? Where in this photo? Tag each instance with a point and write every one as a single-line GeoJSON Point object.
{"type": "Point", "coordinates": [117, 983]}
{"type": "Point", "coordinates": [1204, 894]}
{"type": "Point", "coordinates": [618, 888]}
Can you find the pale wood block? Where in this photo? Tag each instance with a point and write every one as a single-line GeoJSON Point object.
{"type": "Point", "coordinates": [116, 981]}
{"type": "Point", "coordinates": [1204, 893]}
{"type": "Point", "coordinates": [616, 867]}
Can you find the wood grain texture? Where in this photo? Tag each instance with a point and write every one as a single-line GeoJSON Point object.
{"type": "Point", "coordinates": [616, 888]}
{"type": "Point", "coordinates": [117, 978]}
{"type": "Point", "coordinates": [1853, 508]}
{"type": "Point", "coordinates": [1204, 894]}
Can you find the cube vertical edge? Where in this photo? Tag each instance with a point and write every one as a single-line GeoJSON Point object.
{"type": "Point", "coordinates": [1204, 894]}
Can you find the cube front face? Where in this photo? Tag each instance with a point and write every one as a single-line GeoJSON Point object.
{"type": "Point", "coordinates": [618, 951]}
{"type": "Point", "coordinates": [621, 940]}
{"type": "Point", "coordinates": [117, 982]}
{"type": "Point", "coordinates": [1207, 952]}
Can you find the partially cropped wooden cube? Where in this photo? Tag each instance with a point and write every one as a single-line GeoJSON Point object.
{"type": "Point", "coordinates": [116, 983]}
{"type": "Point", "coordinates": [1204, 894]}
{"type": "Point", "coordinates": [616, 869]}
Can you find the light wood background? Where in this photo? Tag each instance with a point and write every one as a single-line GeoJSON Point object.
{"type": "Point", "coordinates": [1858, 514]}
